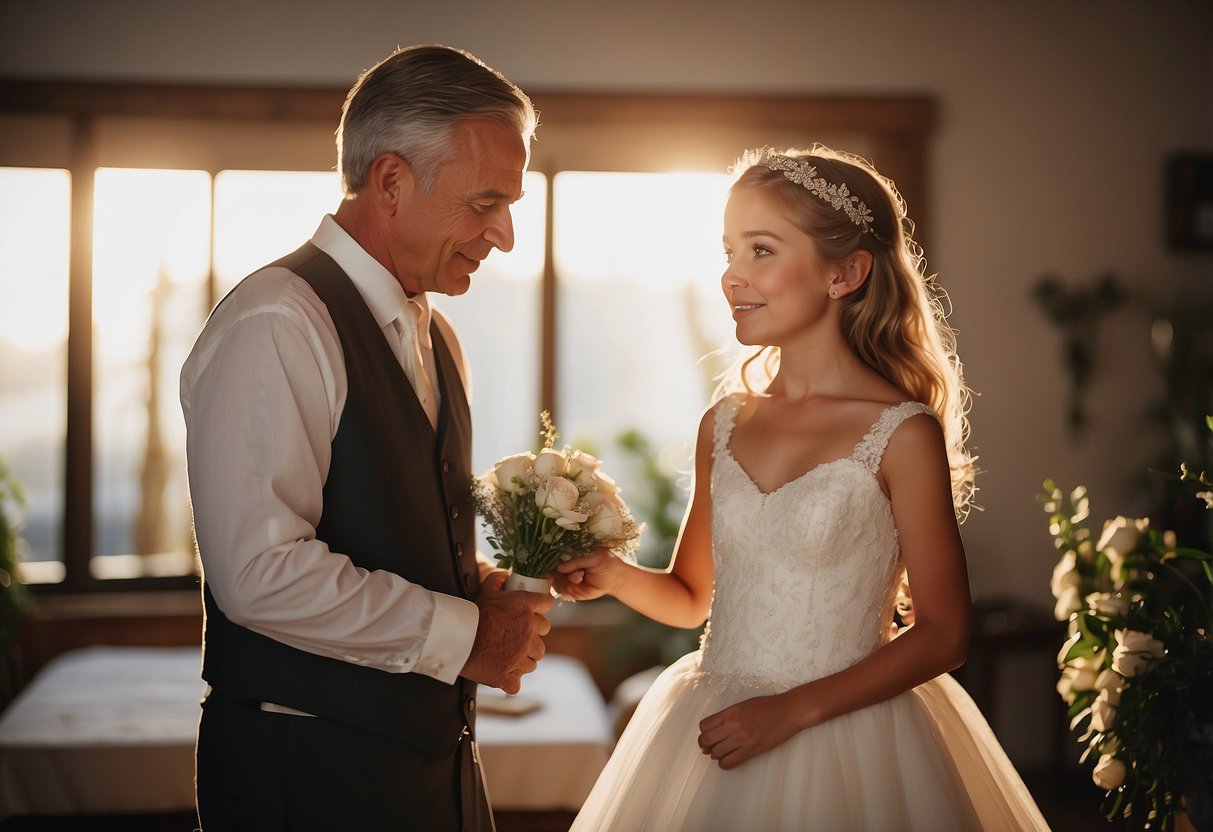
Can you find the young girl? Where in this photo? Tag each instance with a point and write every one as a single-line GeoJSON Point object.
{"type": "Point", "coordinates": [830, 470]}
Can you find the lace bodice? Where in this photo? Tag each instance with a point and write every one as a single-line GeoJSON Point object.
{"type": "Point", "coordinates": [806, 576]}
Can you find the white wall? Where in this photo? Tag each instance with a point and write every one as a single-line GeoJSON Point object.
{"type": "Point", "coordinates": [1054, 122]}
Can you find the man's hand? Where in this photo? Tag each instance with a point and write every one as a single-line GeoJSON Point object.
{"type": "Point", "coordinates": [509, 635]}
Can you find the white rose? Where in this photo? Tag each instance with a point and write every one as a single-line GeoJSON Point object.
{"type": "Point", "coordinates": [517, 467]}
{"type": "Point", "coordinates": [550, 463]}
{"type": "Point", "coordinates": [1103, 713]}
{"type": "Point", "coordinates": [1135, 653]}
{"type": "Point", "coordinates": [607, 486]}
{"type": "Point", "coordinates": [557, 498]}
{"type": "Point", "coordinates": [1082, 675]}
{"type": "Point", "coordinates": [1108, 603]}
{"type": "Point", "coordinates": [1075, 680]}
{"type": "Point", "coordinates": [1065, 575]}
{"type": "Point", "coordinates": [1069, 601]}
{"type": "Point", "coordinates": [1111, 683]}
{"type": "Point", "coordinates": [605, 523]}
{"type": "Point", "coordinates": [1109, 773]}
{"type": "Point", "coordinates": [1065, 648]}
{"type": "Point", "coordinates": [582, 467]}
{"type": "Point", "coordinates": [1120, 537]}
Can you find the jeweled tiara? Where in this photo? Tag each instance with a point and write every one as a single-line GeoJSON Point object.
{"type": "Point", "coordinates": [805, 175]}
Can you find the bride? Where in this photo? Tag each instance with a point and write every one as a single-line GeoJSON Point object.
{"type": "Point", "coordinates": [831, 469]}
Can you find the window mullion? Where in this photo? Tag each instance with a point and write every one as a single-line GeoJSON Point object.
{"type": "Point", "coordinates": [78, 456]}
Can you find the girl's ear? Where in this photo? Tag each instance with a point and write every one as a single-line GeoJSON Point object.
{"type": "Point", "coordinates": [851, 274]}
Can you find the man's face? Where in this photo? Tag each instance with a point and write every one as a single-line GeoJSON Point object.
{"type": "Point", "coordinates": [438, 239]}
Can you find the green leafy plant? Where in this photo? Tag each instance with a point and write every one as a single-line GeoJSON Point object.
{"type": "Point", "coordinates": [15, 600]}
{"type": "Point", "coordinates": [1076, 311]}
{"type": "Point", "coordinates": [1137, 665]}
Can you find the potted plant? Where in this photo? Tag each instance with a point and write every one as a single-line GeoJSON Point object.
{"type": "Point", "coordinates": [1137, 665]}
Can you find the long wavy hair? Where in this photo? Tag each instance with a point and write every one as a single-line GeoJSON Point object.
{"type": "Point", "coordinates": [897, 321]}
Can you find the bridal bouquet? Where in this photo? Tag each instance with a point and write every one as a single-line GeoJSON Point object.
{"type": "Point", "coordinates": [1137, 666]}
{"type": "Point", "coordinates": [551, 506]}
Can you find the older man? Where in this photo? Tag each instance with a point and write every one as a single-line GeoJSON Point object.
{"type": "Point", "coordinates": [348, 618]}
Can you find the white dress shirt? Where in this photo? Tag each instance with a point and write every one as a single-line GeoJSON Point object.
{"type": "Point", "coordinates": [262, 393]}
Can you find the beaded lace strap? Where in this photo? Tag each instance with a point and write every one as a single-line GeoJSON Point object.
{"type": "Point", "coordinates": [726, 417]}
{"type": "Point", "coordinates": [870, 449]}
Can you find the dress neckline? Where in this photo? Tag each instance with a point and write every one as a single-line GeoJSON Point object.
{"type": "Point", "coordinates": [868, 436]}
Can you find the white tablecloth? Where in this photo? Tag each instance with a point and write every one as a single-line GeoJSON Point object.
{"type": "Point", "coordinates": [112, 729]}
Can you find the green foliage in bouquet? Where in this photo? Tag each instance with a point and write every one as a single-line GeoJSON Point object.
{"type": "Point", "coordinates": [541, 508]}
{"type": "Point", "coordinates": [1137, 666]}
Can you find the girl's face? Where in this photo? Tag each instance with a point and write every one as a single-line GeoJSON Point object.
{"type": "Point", "coordinates": [776, 283]}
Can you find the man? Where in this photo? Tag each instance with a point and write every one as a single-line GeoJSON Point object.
{"type": "Point", "coordinates": [348, 618]}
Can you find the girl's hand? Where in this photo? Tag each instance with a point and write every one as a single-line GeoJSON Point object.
{"type": "Point", "coordinates": [748, 729]}
{"type": "Point", "coordinates": [590, 576]}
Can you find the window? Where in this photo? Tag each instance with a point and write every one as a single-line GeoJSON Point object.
{"type": "Point", "coordinates": [642, 330]}
{"type": "Point", "coordinates": [33, 348]}
{"type": "Point", "coordinates": [128, 211]}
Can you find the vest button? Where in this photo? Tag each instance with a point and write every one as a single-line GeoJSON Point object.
{"type": "Point", "coordinates": [446, 467]}
{"type": "Point", "coordinates": [459, 550]}
{"type": "Point", "coordinates": [471, 703]}
{"type": "Point", "coordinates": [454, 512]}
{"type": "Point", "coordinates": [468, 580]}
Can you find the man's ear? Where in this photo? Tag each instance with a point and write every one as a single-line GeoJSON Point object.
{"type": "Point", "coordinates": [851, 273]}
{"type": "Point", "coordinates": [391, 182]}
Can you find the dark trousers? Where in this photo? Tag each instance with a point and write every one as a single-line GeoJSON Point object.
{"type": "Point", "coordinates": [272, 772]}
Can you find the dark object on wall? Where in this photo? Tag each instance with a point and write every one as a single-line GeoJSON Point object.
{"type": "Point", "coordinates": [1190, 201]}
{"type": "Point", "coordinates": [1076, 310]}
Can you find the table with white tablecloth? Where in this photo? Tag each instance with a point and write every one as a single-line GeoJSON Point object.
{"type": "Point", "coordinates": [112, 729]}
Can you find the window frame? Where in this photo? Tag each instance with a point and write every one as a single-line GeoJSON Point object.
{"type": "Point", "coordinates": [578, 131]}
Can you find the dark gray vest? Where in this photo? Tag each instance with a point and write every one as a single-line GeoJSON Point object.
{"type": "Point", "coordinates": [397, 498]}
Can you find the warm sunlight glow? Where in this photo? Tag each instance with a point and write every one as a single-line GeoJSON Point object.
{"type": "Point", "coordinates": [34, 232]}
{"type": "Point", "coordinates": [262, 215]}
{"type": "Point", "coordinates": [146, 222]}
{"type": "Point", "coordinates": [662, 229]}
{"type": "Point", "coordinates": [641, 322]}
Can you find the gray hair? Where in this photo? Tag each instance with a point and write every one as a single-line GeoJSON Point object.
{"type": "Point", "coordinates": [409, 102]}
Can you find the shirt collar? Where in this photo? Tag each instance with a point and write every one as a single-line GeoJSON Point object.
{"type": "Point", "coordinates": [383, 294]}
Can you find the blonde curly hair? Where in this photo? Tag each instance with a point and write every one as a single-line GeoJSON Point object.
{"type": "Point", "coordinates": [897, 321]}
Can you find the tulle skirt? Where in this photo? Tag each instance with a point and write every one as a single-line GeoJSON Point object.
{"type": "Point", "coordinates": [925, 760]}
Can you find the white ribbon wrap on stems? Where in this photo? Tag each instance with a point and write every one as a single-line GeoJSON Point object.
{"type": "Point", "coordinates": [516, 581]}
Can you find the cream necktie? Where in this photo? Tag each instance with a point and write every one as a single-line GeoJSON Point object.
{"type": "Point", "coordinates": [413, 334]}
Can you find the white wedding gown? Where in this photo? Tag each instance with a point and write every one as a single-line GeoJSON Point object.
{"type": "Point", "coordinates": [805, 587]}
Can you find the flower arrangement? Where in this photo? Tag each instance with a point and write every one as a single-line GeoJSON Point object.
{"type": "Point", "coordinates": [545, 507]}
{"type": "Point", "coordinates": [1137, 665]}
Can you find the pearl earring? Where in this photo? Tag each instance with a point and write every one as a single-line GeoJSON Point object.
{"type": "Point", "coordinates": [833, 292]}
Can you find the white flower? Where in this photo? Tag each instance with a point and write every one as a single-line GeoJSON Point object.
{"type": "Point", "coordinates": [550, 463]}
{"type": "Point", "coordinates": [1065, 575]}
{"type": "Point", "coordinates": [1108, 603]}
{"type": "Point", "coordinates": [1103, 712]}
{"type": "Point", "coordinates": [1069, 601]}
{"type": "Point", "coordinates": [1075, 680]}
{"type": "Point", "coordinates": [1135, 653]}
{"type": "Point", "coordinates": [1065, 648]}
{"type": "Point", "coordinates": [557, 498]}
{"type": "Point", "coordinates": [511, 470]}
{"type": "Point", "coordinates": [1111, 683]}
{"type": "Point", "coordinates": [606, 523]}
{"type": "Point", "coordinates": [582, 465]}
{"type": "Point", "coordinates": [1109, 773]}
{"type": "Point", "coordinates": [1120, 537]}
{"type": "Point", "coordinates": [606, 486]}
